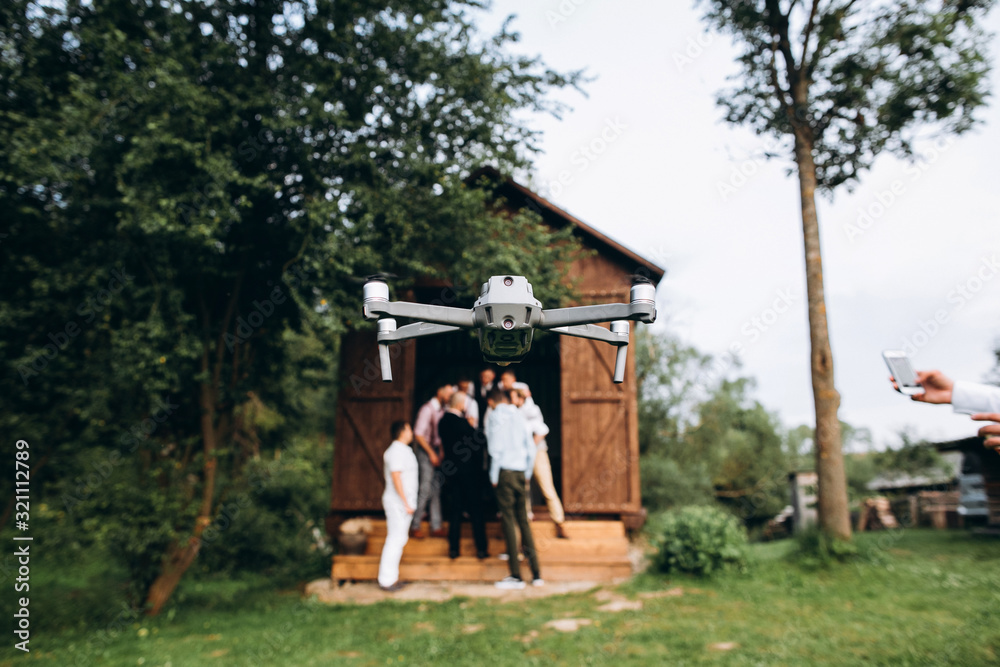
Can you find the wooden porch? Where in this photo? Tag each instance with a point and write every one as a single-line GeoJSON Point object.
{"type": "Point", "coordinates": [596, 551]}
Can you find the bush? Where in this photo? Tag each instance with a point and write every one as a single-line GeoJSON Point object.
{"type": "Point", "coordinates": [699, 540]}
{"type": "Point", "coordinates": [816, 550]}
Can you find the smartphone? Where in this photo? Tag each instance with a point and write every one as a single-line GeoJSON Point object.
{"type": "Point", "coordinates": [902, 371]}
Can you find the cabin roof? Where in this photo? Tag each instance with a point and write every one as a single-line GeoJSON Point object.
{"type": "Point", "coordinates": [901, 480]}
{"type": "Point", "coordinates": [558, 217]}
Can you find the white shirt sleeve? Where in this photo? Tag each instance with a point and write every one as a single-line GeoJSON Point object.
{"type": "Point", "coordinates": [970, 398]}
{"type": "Point", "coordinates": [393, 461]}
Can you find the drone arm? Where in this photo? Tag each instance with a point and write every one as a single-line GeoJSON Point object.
{"type": "Point", "coordinates": [593, 332]}
{"type": "Point", "coordinates": [388, 333]}
{"type": "Point", "coordinates": [617, 336]}
{"type": "Point", "coordinates": [415, 330]}
{"type": "Point", "coordinates": [576, 315]}
{"type": "Point", "coordinates": [446, 315]}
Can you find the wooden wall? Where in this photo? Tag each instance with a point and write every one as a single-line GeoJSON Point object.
{"type": "Point", "coordinates": [600, 438]}
{"type": "Point", "coordinates": [366, 407]}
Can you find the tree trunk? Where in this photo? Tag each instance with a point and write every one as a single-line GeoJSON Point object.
{"type": "Point", "coordinates": [834, 518]}
{"type": "Point", "coordinates": [179, 558]}
{"type": "Point", "coordinates": [176, 563]}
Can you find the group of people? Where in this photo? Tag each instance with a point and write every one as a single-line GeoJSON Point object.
{"type": "Point", "coordinates": [466, 440]}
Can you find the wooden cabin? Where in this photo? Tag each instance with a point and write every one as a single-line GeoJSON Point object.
{"type": "Point", "coordinates": [593, 444]}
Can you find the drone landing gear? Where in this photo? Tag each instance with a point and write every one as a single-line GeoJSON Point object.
{"type": "Point", "coordinates": [388, 333]}
{"type": "Point", "coordinates": [617, 336]}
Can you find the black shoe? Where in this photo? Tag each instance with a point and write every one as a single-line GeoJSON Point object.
{"type": "Point", "coordinates": [482, 555]}
{"type": "Point", "coordinates": [453, 554]}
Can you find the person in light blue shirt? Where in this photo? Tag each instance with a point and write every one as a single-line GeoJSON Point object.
{"type": "Point", "coordinates": [512, 452]}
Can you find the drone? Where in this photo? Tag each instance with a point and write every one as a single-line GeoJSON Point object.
{"type": "Point", "coordinates": [506, 316]}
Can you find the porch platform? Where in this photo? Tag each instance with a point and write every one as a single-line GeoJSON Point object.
{"type": "Point", "coordinates": [595, 551]}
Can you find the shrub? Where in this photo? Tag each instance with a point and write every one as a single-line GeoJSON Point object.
{"type": "Point", "coordinates": [815, 550]}
{"type": "Point", "coordinates": [699, 540]}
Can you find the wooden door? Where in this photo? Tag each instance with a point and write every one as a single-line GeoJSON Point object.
{"type": "Point", "coordinates": [600, 441]}
{"type": "Point", "coordinates": [366, 407]}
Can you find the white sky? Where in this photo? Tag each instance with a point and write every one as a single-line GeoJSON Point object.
{"type": "Point", "coordinates": [730, 254]}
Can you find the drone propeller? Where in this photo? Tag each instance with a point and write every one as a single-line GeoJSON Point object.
{"type": "Point", "coordinates": [639, 279]}
{"type": "Point", "coordinates": [381, 276]}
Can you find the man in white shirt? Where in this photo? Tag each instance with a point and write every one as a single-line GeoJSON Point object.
{"type": "Point", "coordinates": [982, 401]}
{"type": "Point", "coordinates": [429, 457]}
{"type": "Point", "coordinates": [512, 458]}
{"type": "Point", "coordinates": [398, 500]}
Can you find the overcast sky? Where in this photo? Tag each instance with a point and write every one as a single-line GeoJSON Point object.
{"type": "Point", "coordinates": [666, 177]}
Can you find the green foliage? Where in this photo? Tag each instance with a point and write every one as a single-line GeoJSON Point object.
{"type": "Point", "coordinates": [853, 79]}
{"type": "Point", "coordinates": [933, 601]}
{"type": "Point", "coordinates": [815, 549]}
{"type": "Point", "coordinates": [702, 438]}
{"type": "Point", "coordinates": [215, 173]}
{"type": "Point", "coordinates": [699, 540]}
{"type": "Point", "coordinates": [271, 521]}
{"type": "Point", "coordinates": [911, 457]}
{"type": "Point", "coordinates": [667, 482]}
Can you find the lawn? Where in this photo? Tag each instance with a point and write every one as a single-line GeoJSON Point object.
{"type": "Point", "coordinates": [920, 598]}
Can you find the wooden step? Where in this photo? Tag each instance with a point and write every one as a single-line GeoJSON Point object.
{"type": "Point", "coordinates": [465, 568]}
{"type": "Point", "coordinates": [552, 548]}
{"type": "Point", "coordinates": [596, 551]}
{"type": "Point", "coordinates": [575, 529]}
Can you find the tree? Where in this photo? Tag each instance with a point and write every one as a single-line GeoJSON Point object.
{"type": "Point", "coordinates": [749, 467]}
{"type": "Point", "coordinates": [701, 438]}
{"type": "Point", "coordinates": [215, 174]}
{"type": "Point", "coordinates": [838, 82]}
{"type": "Point", "coordinates": [670, 381]}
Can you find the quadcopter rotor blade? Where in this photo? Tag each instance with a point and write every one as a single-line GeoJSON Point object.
{"type": "Point", "coordinates": [381, 276]}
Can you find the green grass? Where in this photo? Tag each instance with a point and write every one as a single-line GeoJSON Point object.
{"type": "Point", "coordinates": [928, 598]}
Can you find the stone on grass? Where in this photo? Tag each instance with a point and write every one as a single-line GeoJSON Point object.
{"type": "Point", "coordinates": [568, 624]}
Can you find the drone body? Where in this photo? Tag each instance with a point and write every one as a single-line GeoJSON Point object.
{"type": "Point", "coordinates": [506, 315]}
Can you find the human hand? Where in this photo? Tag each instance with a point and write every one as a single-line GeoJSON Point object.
{"type": "Point", "coordinates": [937, 387]}
{"type": "Point", "coordinates": [435, 459]}
{"type": "Point", "coordinates": [410, 510]}
{"type": "Point", "coordinates": [991, 431]}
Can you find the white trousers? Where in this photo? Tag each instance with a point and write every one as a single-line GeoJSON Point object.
{"type": "Point", "coordinates": [397, 528]}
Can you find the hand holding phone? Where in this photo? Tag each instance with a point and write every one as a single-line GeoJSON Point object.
{"type": "Point", "coordinates": [902, 372]}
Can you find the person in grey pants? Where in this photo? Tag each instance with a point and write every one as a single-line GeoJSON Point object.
{"type": "Point", "coordinates": [429, 457]}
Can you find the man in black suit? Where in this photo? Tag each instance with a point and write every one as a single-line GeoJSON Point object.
{"type": "Point", "coordinates": [487, 378]}
{"type": "Point", "coordinates": [463, 472]}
